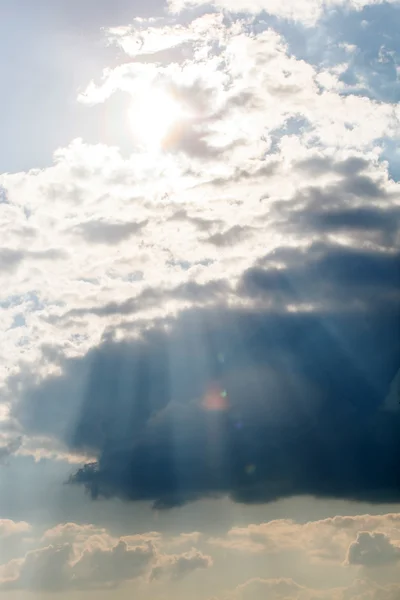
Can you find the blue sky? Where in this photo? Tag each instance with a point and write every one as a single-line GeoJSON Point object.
{"type": "Point", "coordinates": [200, 316]}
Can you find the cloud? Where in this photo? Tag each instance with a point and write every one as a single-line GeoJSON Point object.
{"type": "Point", "coordinates": [72, 533]}
{"type": "Point", "coordinates": [84, 557]}
{"type": "Point", "coordinates": [10, 258]}
{"type": "Point", "coordinates": [188, 292]}
{"type": "Point", "coordinates": [10, 448]}
{"type": "Point", "coordinates": [45, 569]}
{"type": "Point", "coordinates": [326, 540]}
{"type": "Point", "coordinates": [372, 550]}
{"type": "Point", "coordinates": [88, 557]}
{"type": "Point", "coordinates": [342, 274]}
{"type": "Point", "coordinates": [9, 528]}
{"type": "Point", "coordinates": [257, 587]}
{"type": "Point", "coordinates": [285, 333]}
{"type": "Point", "coordinates": [112, 566]}
{"type": "Point", "coordinates": [55, 568]}
{"type": "Point", "coordinates": [185, 538]}
{"type": "Point", "coordinates": [72, 35]}
{"type": "Point", "coordinates": [230, 237]}
{"type": "Point", "coordinates": [283, 589]}
{"type": "Point", "coordinates": [177, 566]}
{"type": "Point", "coordinates": [249, 285]}
{"type": "Point", "coordinates": [138, 406]}
{"type": "Point", "coordinates": [100, 232]}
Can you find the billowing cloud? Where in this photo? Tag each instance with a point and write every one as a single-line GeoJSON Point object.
{"type": "Point", "coordinates": [327, 540]}
{"type": "Point", "coordinates": [83, 557]}
{"type": "Point", "coordinates": [372, 550]}
{"type": "Point", "coordinates": [72, 556]}
{"type": "Point", "coordinates": [9, 528]}
{"type": "Point", "coordinates": [54, 568]}
{"type": "Point", "coordinates": [177, 566]}
{"type": "Point", "coordinates": [142, 407]}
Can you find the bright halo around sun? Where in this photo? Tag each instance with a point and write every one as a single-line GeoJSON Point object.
{"type": "Point", "coordinates": [152, 117]}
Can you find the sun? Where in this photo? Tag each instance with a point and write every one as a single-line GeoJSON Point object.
{"type": "Point", "coordinates": [152, 117]}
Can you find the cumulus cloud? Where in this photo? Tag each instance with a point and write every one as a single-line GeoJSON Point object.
{"type": "Point", "coordinates": [372, 550]}
{"type": "Point", "coordinates": [72, 533]}
{"type": "Point", "coordinates": [112, 566]}
{"type": "Point", "coordinates": [177, 566]}
{"type": "Point", "coordinates": [87, 557]}
{"type": "Point", "coordinates": [327, 540]}
{"type": "Point", "coordinates": [83, 557]}
{"type": "Point", "coordinates": [9, 528]}
{"type": "Point", "coordinates": [53, 568]}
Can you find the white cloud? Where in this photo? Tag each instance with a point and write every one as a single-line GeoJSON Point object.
{"type": "Point", "coordinates": [10, 528]}
{"type": "Point", "coordinates": [327, 540]}
{"type": "Point", "coordinates": [56, 568]}
{"type": "Point", "coordinates": [88, 557]}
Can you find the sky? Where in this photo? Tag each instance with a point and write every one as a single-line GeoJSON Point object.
{"type": "Point", "coordinates": [200, 300]}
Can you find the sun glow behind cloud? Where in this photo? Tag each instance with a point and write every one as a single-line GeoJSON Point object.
{"type": "Point", "coordinates": [153, 115]}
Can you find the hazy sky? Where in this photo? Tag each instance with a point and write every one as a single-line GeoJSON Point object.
{"type": "Point", "coordinates": [200, 300]}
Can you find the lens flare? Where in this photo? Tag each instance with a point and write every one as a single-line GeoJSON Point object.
{"type": "Point", "coordinates": [216, 399]}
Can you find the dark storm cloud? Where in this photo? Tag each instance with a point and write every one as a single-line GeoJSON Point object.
{"type": "Point", "coordinates": [350, 187]}
{"type": "Point", "coordinates": [255, 404]}
{"type": "Point", "coordinates": [356, 204]}
{"type": "Point", "coordinates": [328, 274]}
{"type": "Point", "coordinates": [361, 219]}
{"type": "Point", "coordinates": [283, 397]}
